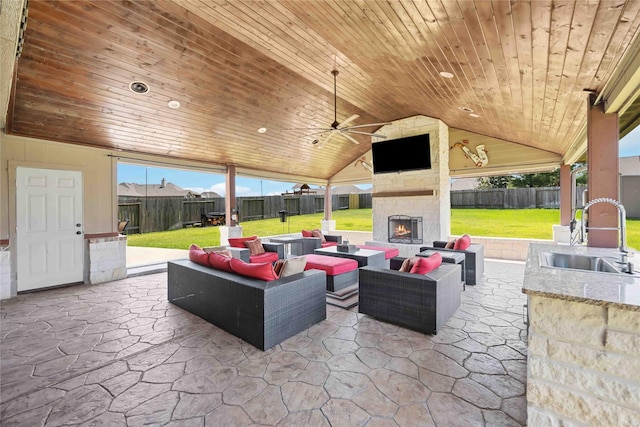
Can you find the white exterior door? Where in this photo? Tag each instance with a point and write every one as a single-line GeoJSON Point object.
{"type": "Point", "coordinates": [49, 228]}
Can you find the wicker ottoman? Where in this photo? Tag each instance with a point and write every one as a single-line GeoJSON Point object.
{"type": "Point", "coordinates": [341, 272]}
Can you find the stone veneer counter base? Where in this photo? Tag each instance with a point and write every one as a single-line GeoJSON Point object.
{"type": "Point", "coordinates": [583, 365]}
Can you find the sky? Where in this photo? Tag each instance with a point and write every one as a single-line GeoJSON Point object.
{"type": "Point", "coordinates": [201, 182]}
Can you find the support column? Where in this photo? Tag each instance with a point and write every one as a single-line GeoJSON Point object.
{"type": "Point", "coordinates": [230, 198]}
{"type": "Point", "coordinates": [230, 229]}
{"type": "Point", "coordinates": [603, 178]}
{"type": "Point", "coordinates": [328, 224]}
{"type": "Point", "coordinates": [562, 232]}
{"type": "Point", "coordinates": [565, 194]}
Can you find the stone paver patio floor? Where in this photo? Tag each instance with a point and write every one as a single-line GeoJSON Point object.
{"type": "Point", "coordinates": [119, 354]}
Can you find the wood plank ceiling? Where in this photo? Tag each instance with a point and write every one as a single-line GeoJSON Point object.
{"type": "Point", "coordinates": [236, 66]}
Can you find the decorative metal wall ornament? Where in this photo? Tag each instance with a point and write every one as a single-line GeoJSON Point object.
{"type": "Point", "coordinates": [480, 157]}
{"type": "Point", "coordinates": [363, 162]}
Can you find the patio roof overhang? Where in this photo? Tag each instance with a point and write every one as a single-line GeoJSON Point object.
{"type": "Point", "coordinates": [235, 67]}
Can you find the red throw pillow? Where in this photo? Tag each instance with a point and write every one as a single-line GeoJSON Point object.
{"type": "Point", "coordinates": [220, 262]}
{"type": "Point", "coordinates": [307, 233]}
{"type": "Point", "coordinates": [462, 243]}
{"type": "Point", "coordinates": [198, 255]}
{"type": "Point", "coordinates": [262, 271]}
{"type": "Point", "coordinates": [425, 265]}
{"type": "Point", "coordinates": [238, 242]}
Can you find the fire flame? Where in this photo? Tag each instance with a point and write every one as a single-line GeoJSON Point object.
{"type": "Point", "coordinates": [401, 230]}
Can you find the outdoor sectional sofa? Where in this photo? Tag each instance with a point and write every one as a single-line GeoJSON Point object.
{"type": "Point", "coordinates": [422, 302]}
{"type": "Point", "coordinates": [262, 313]}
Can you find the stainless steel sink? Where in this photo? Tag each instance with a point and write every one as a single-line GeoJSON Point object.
{"type": "Point", "coordinates": [577, 262]}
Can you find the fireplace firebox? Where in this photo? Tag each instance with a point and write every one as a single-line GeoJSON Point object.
{"type": "Point", "coordinates": [405, 229]}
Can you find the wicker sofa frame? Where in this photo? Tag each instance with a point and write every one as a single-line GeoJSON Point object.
{"type": "Point", "coordinates": [310, 244]}
{"type": "Point", "coordinates": [262, 313]}
{"type": "Point", "coordinates": [473, 263]}
{"type": "Point", "coordinates": [245, 255]}
{"type": "Point", "coordinates": [423, 303]}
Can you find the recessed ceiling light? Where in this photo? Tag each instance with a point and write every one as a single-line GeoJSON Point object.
{"type": "Point", "coordinates": [174, 104]}
{"type": "Point", "coordinates": [262, 130]}
{"type": "Point", "coordinates": [139, 87]}
{"type": "Point", "coordinates": [474, 115]}
{"type": "Point", "coordinates": [466, 109]}
{"type": "Point", "coordinates": [446, 74]}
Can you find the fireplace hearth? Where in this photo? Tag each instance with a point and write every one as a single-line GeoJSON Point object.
{"type": "Point", "coordinates": [405, 229]}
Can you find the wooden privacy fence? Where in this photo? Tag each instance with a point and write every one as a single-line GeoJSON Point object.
{"type": "Point", "coordinates": [511, 198]}
{"type": "Point", "coordinates": [150, 214]}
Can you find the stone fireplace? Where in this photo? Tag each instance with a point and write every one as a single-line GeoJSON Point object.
{"type": "Point", "coordinates": [420, 194]}
{"type": "Point", "coordinates": [405, 229]}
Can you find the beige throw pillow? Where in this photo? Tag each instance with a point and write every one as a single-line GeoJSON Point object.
{"type": "Point", "coordinates": [293, 266]}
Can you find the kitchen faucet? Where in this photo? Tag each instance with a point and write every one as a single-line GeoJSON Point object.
{"type": "Point", "coordinates": [623, 251]}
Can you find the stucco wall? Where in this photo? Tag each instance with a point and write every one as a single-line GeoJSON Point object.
{"type": "Point", "coordinates": [630, 195]}
{"type": "Point", "coordinates": [98, 174]}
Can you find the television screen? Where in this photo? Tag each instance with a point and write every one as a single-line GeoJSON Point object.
{"type": "Point", "coordinates": [403, 154]}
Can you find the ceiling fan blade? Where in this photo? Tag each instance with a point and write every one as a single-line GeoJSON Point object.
{"type": "Point", "coordinates": [365, 126]}
{"type": "Point", "coordinates": [310, 129]}
{"type": "Point", "coordinates": [349, 120]}
{"type": "Point", "coordinates": [326, 140]}
{"type": "Point", "coordinates": [352, 139]}
{"type": "Point", "coordinates": [318, 132]}
{"type": "Point", "coordinates": [357, 132]}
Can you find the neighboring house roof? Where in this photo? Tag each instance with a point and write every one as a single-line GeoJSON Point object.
{"type": "Point", "coordinates": [348, 189]}
{"type": "Point", "coordinates": [630, 166]}
{"type": "Point", "coordinates": [464, 184]}
{"type": "Point", "coordinates": [209, 194]}
{"type": "Point", "coordinates": [154, 190]}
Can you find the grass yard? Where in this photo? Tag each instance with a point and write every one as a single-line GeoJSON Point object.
{"type": "Point", "coordinates": [517, 223]}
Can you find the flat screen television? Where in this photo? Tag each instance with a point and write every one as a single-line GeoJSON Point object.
{"type": "Point", "coordinates": [403, 154]}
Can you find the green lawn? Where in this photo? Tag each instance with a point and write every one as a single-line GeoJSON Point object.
{"type": "Point", "coordinates": [517, 223]}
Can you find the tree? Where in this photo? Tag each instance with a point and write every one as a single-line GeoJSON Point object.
{"type": "Point", "coordinates": [528, 180]}
{"type": "Point", "coordinates": [494, 182]}
{"type": "Point", "coordinates": [544, 179]}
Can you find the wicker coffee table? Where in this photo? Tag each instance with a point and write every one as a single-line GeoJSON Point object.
{"type": "Point", "coordinates": [363, 256]}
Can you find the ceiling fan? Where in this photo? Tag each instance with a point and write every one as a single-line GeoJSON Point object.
{"type": "Point", "coordinates": [343, 128]}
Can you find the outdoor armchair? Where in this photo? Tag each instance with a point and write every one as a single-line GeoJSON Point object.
{"type": "Point", "coordinates": [272, 251]}
{"type": "Point", "coordinates": [310, 244]}
{"type": "Point", "coordinates": [474, 259]}
{"type": "Point", "coordinates": [422, 302]}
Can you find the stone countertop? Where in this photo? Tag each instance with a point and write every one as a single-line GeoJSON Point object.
{"type": "Point", "coordinates": [582, 286]}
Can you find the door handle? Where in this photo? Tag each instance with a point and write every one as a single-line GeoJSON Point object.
{"type": "Point", "coordinates": [78, 225]}
{"type": "Point", "coordinates": [78, 232]}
